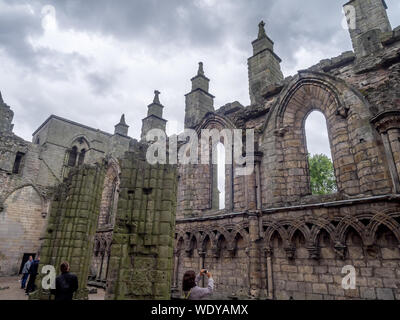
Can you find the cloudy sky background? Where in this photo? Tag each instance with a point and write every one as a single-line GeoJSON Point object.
{"type": "Point", "coordinates": [92, 60]}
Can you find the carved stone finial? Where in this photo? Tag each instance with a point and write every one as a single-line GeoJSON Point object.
{"type": "Point", "coordinates": [261, 30]}
{"type": "Point", "coordinates": [122, 121]}
{"type": "Point", "coordinates": [201, 69]}
{"type": "Point", "coordinates": [157, 96]}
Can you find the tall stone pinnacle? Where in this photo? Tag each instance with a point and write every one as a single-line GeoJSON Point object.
{"type": "Point", "coordinates": [157, 97]}
{"type": "Point", "coordinates": [261, 30]}
{"type": "Point", "coordinates": [201, 69]}
{"type": "Point", "coordinates": [122, 128]}
{"type": "Point", "coordinates": [1, 98]}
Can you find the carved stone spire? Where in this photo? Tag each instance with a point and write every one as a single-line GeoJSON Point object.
{"type": "Point", "coordinates": [154, 119]}
{"type": "Point", "coordinates": [261, 30]}
{"type": "Point", "coordinates": [199, 101]}
{"type": "Point", "coordinates": [264, 65]}
{"type": "Point", "coordinates": [122, 121]}
{"type": "Point", "coordinates": [157, 97]}
{"type": "Point", "coordinates": [201, 69]}
{"type": "Point", "coordinates": [122, 128]}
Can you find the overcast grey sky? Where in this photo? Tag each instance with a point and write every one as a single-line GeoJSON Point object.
{"type": "Point", "coordinates": [92, 60]}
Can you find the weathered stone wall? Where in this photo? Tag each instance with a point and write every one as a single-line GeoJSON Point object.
{"type": "Point", "coordinates": [58, 135]}
{"type": "Point", "coordinates": [141, 252]}
{"type": "Point", "coordinates": [23, 202]}
{"type": "Point", "coordinates": [105, 225]}
{"type": "Point", "coordinates": [281, 241]}
{"type": "Point", "coordinates": [72, 225]}
{"type": "Point", "coordinates": [21, 227]}
{"type": "Point", "coordinates": [307, 247]}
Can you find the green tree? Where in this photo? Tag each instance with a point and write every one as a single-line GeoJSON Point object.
{"type": "Point", "coordinates": [322, 176]}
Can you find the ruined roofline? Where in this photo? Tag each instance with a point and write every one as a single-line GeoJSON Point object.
{"type": "Point", "coordinates": [70, 122]}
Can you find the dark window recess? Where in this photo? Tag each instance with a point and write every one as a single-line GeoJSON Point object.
{"type": "Point", "coordinates": [72, 157]}
{"type": "Point", "coordinates": [147, 191]}
{"type": "Point", "coordinates": [131, 194]}
{"type": "Point", "coordinates": [18, 161]}
{"type": "Point", "coordinates": [81, 158]}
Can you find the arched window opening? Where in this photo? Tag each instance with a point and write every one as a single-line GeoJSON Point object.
{"type": "Point", "coordinates": [221, 175]}
{"type": "Point", "coordinates": [321, 170]}
{"type": "Point", "coordinates": [81, 159]}
{"type": "Point", "coordinates": [73, 154]}
{"type": "Point", "coordinates": [111, 207]}
{"type": "Point", "coordinates": [218, 177]}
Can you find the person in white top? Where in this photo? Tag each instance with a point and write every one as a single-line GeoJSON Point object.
{"type": "Point", "coordinates": [190, 286]}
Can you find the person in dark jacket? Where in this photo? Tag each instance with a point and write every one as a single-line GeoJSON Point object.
{"type": "Point", "coordinates": [66, 284]}
{"type": "Point", "coordinates": [33, 272]}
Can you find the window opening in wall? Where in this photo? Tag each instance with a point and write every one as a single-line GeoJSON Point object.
{"type": "Point", "coordinates": [221, 175]}
{"type": "Point", "coordinates": [81, 158]}
{"type": "Point", "coordinates": [72, 157]}
{"type": "Point", "coordinates": [321, 170]}
{"type": "Point", "coordinates": [17, 162]}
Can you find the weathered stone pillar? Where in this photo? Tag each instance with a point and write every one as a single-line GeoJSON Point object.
{"type": "Point", "coordinates": [257, 163]}
{"type": "Point", "coordinates": [177, 255]}
{"type": "Point", "coordinates": [270, 279]}
{"type": "Point", "coordinates": [202, 255]}
{"type": "Point", "coordinates": [254, 257]}
{"type": "Point", "coordinates": [388, 125]}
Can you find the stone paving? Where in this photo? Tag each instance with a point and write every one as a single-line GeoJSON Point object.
{"type": "Point", "coordinates": [10, 290]}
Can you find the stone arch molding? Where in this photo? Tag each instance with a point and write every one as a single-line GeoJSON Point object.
{"type": "Point", "coordinates": [345, 99]}
{"type": "Point", "coordinates": [42, 197]}
{"type": "Point", "coordinates": [197, 238]}
{"type": "Point", "coordinates": [350, 135]}
{"type": "Point", "coordinates": [77, 139]}
{"type": "Point", "coordinates": [365, 225]}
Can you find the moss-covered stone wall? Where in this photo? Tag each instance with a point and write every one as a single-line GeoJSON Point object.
{"type": "Point", "coordinates": [142, 249]}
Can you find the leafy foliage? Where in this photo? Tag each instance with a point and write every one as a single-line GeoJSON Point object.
{"type": "Point", "coordinates": [322, 176]}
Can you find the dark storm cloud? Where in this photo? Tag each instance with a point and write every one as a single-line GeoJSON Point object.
{"type": "Point", "coordinates": [16, 24]}
{"type": "Point", "coordinates": [199, 26]}
{"type": "Point", "coordinates": [155, 21]}
{"type": "Point", "coordinates": [290, 23]}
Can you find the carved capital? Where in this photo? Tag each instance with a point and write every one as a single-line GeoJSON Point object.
{"type": "Point", "coordinates": [342, 111]}
{"type": "Point", "coordinates": [290, 252]}
{"type": "Point", "coordinates": [314, 252]}
{"type": "Point", "coordinates": [177, 252]}
{"type": "Point", "coordinates": [386, 120]}
{"type": "Point", "coordinates": [201, 253]}
{"type": "Point", "coordinates": [215, 251]}
{"type": "Point", "coordinates": [268, 252]}
{"type": "Point", "coordinates": [340, 250]}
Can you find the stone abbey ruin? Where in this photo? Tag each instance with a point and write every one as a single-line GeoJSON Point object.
{"type": "Point", "coordinates": [91, 198]}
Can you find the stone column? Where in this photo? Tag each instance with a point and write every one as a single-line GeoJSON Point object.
{"type": "Point", "coordinates": [270, 279]}
{"type": "Point", "coordinates": [393, 136]}
{"type": "Point", "coordinates": [257, 162]}
{"type": "Point", "coordinates": [254, 257]}
{"type": "Point", "coordinates": [388, 124]}
{"type": "Point", "coordinates": [202, 255]}
{"type": "Point", "coordinates": [177, 254]}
